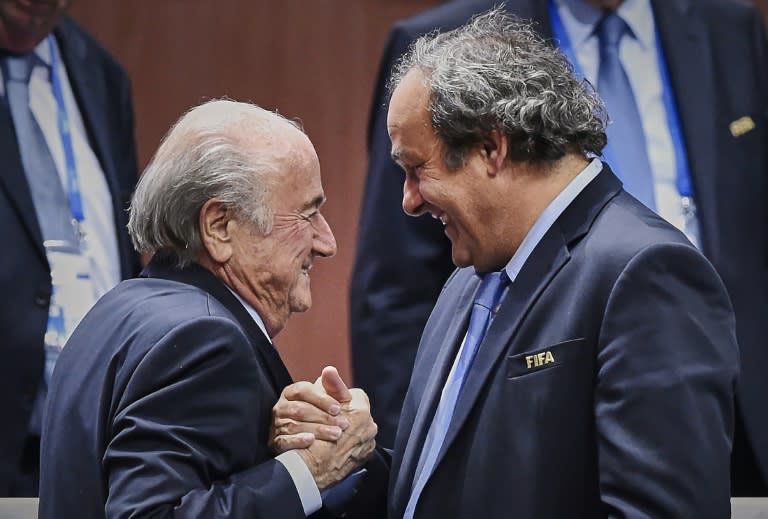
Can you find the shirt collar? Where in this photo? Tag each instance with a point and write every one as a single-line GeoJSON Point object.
{"type": "Point", "coordinates": [43, 51]}
{"type": "Point", "coordinates": [548, 217]}
{"type": "Point", "coordinates": [253, 313]}
{"type": "Point", "coordinates": [580, 19]}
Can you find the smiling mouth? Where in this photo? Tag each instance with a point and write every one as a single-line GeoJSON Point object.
{"type": "Point", "coordinates": [443, 219]}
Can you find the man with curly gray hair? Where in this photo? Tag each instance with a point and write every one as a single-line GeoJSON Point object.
{"type": "Point", "coordinates": [581, 361]}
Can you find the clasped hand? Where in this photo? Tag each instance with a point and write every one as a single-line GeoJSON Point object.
{"type": "Point", "coordinates": [329, 425]}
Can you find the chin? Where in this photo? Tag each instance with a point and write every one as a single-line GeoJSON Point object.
{"type": "Point", "coordinates": [300, 304]}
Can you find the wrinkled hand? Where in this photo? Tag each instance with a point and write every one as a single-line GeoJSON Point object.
{"type": "Point", "coordinates": [307, 411]}
{"type": "Point", "coordinates": [312, 411]}
{"type": "Point", "coordinates": [332, 461]}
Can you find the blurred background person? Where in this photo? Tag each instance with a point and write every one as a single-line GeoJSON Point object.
{"type": "Point", "coordinates": [67, 171]}
{"type": "Point", "coordinates": [684, 82]}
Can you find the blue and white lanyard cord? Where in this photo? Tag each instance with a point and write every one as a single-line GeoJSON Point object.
{"type": "Point", "coordinates": [73, 181]}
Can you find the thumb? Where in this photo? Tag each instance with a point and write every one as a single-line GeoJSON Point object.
{"type": "Point", "coordinates": [334, 385]}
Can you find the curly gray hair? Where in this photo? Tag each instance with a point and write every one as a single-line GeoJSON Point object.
{"type": "Point", "coordinates": [496, 72]}
{"type": "Point", "coordinates": [207, 154]}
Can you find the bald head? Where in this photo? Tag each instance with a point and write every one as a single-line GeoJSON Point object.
{"type": "Point", "coordinates": [223, 149]}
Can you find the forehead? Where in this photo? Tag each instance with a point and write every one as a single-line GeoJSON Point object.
{"type": "Point", "coordinates": [408, 121]}
{"type": "Point", "coordinates": [409, 101]}
{"type": "Point", "coordinates": [298, 174]}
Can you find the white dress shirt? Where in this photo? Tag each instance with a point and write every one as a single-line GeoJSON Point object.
{"type": "Point", "coordinates": [640, 59]}
{"type": "Point", "coordinates": [99, 222]}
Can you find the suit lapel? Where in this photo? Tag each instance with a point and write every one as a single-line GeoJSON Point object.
{"type": "Point", "coordinates": [545, 262]}
{"type": "Point", "coordinates": [686, 44]}
{"type": "Point", "coordinates": [13, 180]}
{"type": "Point", "coordinates": [446, 346]}
{"type": "Point", "coordinates": [195, 275]}
{"type": "Point", "coordinates": [547, 259]}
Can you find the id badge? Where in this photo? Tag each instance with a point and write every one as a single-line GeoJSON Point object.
{"type": "Point", "coordinates": [72, 295]}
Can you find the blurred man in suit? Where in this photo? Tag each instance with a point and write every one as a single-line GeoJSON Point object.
{"type": "Point", "coordinates": [68, 168]}
{"type": "Point", "coordinates": [161, 402]}
{"type": "Point", "coordinates": [698, 74]}
{"type": "Point", "coordinates": [582, 360]}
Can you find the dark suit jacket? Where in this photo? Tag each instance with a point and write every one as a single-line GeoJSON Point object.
{"type": "Point", "coordinates": [103, 95]}
{"type": "Point", "coordinates": [629, 410]}
{"type": "Point", "coordinates": [716, 54]}
{"type": "Point", "coordinates": [161, 405]}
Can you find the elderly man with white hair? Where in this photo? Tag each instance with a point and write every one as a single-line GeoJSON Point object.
{"type": "Point", "coordinates": [161, 402]}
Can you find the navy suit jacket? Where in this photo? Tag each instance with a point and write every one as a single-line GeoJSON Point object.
{"type": "Point", "coordinates": [102, 92]}
{"type": "Point", "coordinates": [716, 53]}
{"type": "Point", "coordinates": [160, 406]}
{"type": "Point", "coordinates": [604, 387]}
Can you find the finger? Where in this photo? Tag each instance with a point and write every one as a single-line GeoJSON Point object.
{"type": "Point", "coordinates": [359, 398]}
{"type": "Point", "coordinates": [285, 443]}
{"type": "Point", "coordinates": [334, 385]}
{"type": "Point", "coordinates": [320, 431]}
{"type": "Point", "coordinates": [296, 416]}
{"type": "Point", "coordinates": [312, 395]}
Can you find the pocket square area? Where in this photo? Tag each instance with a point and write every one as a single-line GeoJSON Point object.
{"type": "Point", "coordinates": [545, 358]}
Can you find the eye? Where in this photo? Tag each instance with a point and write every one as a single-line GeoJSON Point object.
{"type": "Point", "coordinates": [312, 216]}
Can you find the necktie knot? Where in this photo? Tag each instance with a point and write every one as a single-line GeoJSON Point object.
{"type": "Point", "coordinates": [491, 287]}
{"type": "Point", "coordinates": [610, 30]}
{"type": "Point", "coordinates": [19, 68]}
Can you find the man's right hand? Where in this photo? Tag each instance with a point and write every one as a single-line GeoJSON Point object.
{"type": "Point", "coordinates": [307, 410]}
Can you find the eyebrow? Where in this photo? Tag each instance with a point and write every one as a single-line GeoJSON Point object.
{"type": "Point", "coordinates": [314, 203]}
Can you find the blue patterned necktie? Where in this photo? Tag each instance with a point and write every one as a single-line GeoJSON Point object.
{"type": "Point", "coordinates": [625, 132]}
{"type": "Point", "coordinates": [483, 309]}
{"type": "Point", "coordinates": [51, 204]}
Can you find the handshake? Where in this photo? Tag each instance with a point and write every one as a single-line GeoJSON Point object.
{"type": "Point", "coordinates": [329, 426]}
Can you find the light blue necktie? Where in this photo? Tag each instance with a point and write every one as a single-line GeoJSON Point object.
{"type": "Point", "coordinates": [483, 309]}
{"type": "Point", "coordinates": [51, 204]}
{"type": "Point", "coordinates": [625, 132]}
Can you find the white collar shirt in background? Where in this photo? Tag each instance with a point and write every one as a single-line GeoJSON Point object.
{"type": "Point", "coordinates": [99, 222]}
{"type": "Point", "coordinates": [639, 57]}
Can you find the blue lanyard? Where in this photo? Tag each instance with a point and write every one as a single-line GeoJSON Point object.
{"type": "Point", "coordinates": [682, 171]}
{"type": "Point", "coordinates": [73, 182]}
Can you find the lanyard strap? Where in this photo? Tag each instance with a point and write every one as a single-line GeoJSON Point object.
{"type": "Point", "coordinates": [682, 171]}
{"type": "Point", "coordinates": [73, 181]}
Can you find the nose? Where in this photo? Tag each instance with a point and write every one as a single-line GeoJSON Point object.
{"type": "Point", "coordinates": [325, 242]}
{"type": "Point", "coordinates": [413, 203]}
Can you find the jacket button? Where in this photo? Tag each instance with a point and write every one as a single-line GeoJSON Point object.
{"type": "Point", "coordinates": [43, 297]}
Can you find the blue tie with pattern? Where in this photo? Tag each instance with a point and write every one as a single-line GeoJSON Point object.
{"type": "Point", "coordinates": [483, 309]}
{"type": "Point", "coordinates": [50, 201]}
{"type": "Point", "coordinates": [625, 132]}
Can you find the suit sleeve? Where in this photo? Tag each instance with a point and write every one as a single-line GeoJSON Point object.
{"type": "Point", "coordinates": [667, 369]}
{"type": "Point", "coordinates": [188, 436]}
{"type": "Point", "coordinates": [400, 267]}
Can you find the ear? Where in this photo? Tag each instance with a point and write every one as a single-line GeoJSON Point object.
{"type": "Point", "coordinates": [216, 223]}
{"type": "Point", "coordinates": [494, 150]}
